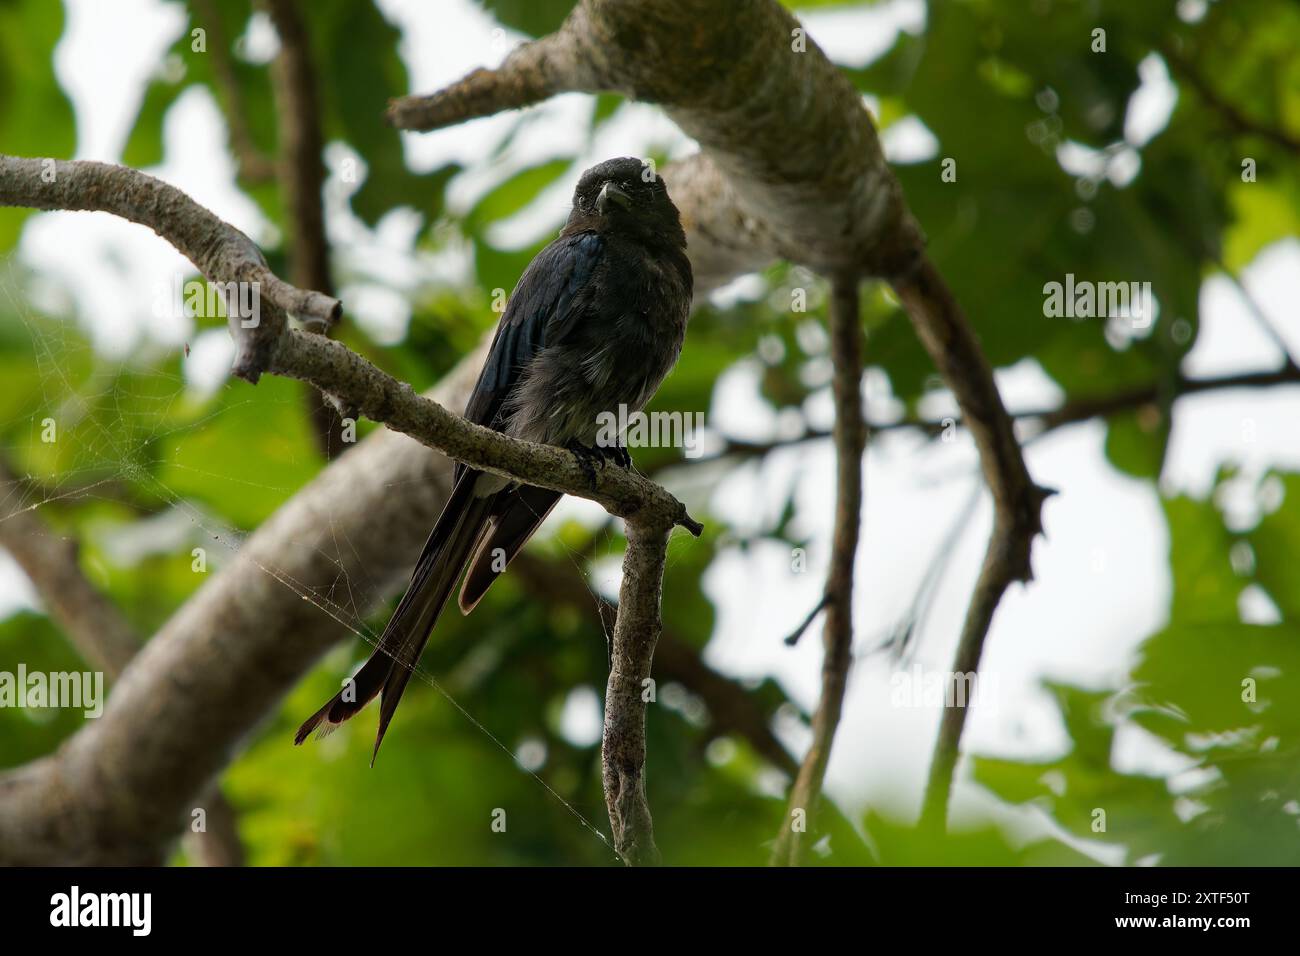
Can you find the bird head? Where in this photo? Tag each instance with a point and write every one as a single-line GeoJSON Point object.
{"type": "Point", "coordinates": [628, 197]}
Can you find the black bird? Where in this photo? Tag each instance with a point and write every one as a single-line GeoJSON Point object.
{"type": "Point", "coordinates": [597, 321]}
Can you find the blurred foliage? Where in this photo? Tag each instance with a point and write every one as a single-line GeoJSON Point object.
{"type": "Point", "coordinates": [1217, 693]}
{"type": "Point", "coordinates": [35, 115]}
{"type": "Point", "coordinates": [147, 467]}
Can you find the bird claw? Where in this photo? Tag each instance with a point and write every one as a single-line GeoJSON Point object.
{"type": "Point", "coordinates": [587, 459]}
{"type": "Point", "coordinates": [619, 454]}
{"type": "Point", "coordinates": [591, 456]}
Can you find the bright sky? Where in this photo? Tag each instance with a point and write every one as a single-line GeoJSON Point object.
{"type": "Point", "coordinates": [1102, 576]}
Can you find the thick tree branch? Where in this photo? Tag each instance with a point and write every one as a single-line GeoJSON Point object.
{"type": "Point", "coordinates": [798, 828]}
{"type": "Point", "coordinates": [120, 790]}
{"type": "Point", "coordinates": [99, 632]}
{"type": "Point", "coordinates": [814, 190]}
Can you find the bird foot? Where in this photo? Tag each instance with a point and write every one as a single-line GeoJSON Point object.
{"type": "Point", "coordinates": [592, 456]}
{"type": "Point", "coordinates": [618, 454]}
{"type": "Point", "coordinates": [587, 459]}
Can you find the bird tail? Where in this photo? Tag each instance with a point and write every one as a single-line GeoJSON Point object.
{"type": "Point", "coordinates": [389, 669]}
{"type": "Point", "coordinates": [514, 521]}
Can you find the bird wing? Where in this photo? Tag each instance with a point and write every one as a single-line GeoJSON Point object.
{"type": "Point", "coordinates": [545, 307]}
{"type": "Point", "coordinates": [542, 311]}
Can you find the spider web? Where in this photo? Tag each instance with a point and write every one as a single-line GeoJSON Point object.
{"type": "Point", "coordinates": [115, 424]}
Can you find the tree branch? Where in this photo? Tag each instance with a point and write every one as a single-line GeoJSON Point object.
{"type": "Point", "coordinates": [94, 626]}
{"type": "Point", "coordinates": [1261, 318]}
{"type": "Point", "coordinates": [815, 190]}
{"type": "Point", "coordinates": [732, 708]}
{"type": "Point", "coordinates": [792, 638]}
{"type": "Point", "coordinates": [1072, 411]}
{"type": "Point", "coordinates": [850, 440]}
{"type": "Point", "coordinates": [1105, 406]}
{"type": "Point", "coordinates": [218, 250]}
{"type": "Point", "coordinates": [533, 72]}
{"type": "Point", "coordinates": [334, 368]}
{"type": "Point", "coordinates": [99, 632]}
{"type": "Point", "coordinates": [301, 174]}
{"type": "Point", "coordinates": [301, 168]}
{"type": "Point", "coordinates": [1017, 501]}
{"type": "Point", "coordinates": [636, 630]}
{"type": "Point", "coordinates": [118, 792]}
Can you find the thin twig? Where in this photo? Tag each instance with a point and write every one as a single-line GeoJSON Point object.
{"type": "Point", "coordinates": [1261, 317]}
{"type": "Point", "coordinates": [93, 624]}
{"type": "Point", "coordinates": [732, 709]}
{"type": "Point", "coordinates": [850, 439]}
{"type": "Point", "coordinates": [1073, 411]}
{"type": "Point", "coordinates": [793, 637]}
{"type": "Point", "coordinates": [916, 614]}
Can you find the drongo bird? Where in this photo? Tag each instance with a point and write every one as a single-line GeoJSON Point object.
{"type": "Point", "coordinates": [596, 322]}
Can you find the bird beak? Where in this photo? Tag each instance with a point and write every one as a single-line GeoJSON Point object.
{"type": "Point", "coordinates": [610, 193]}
